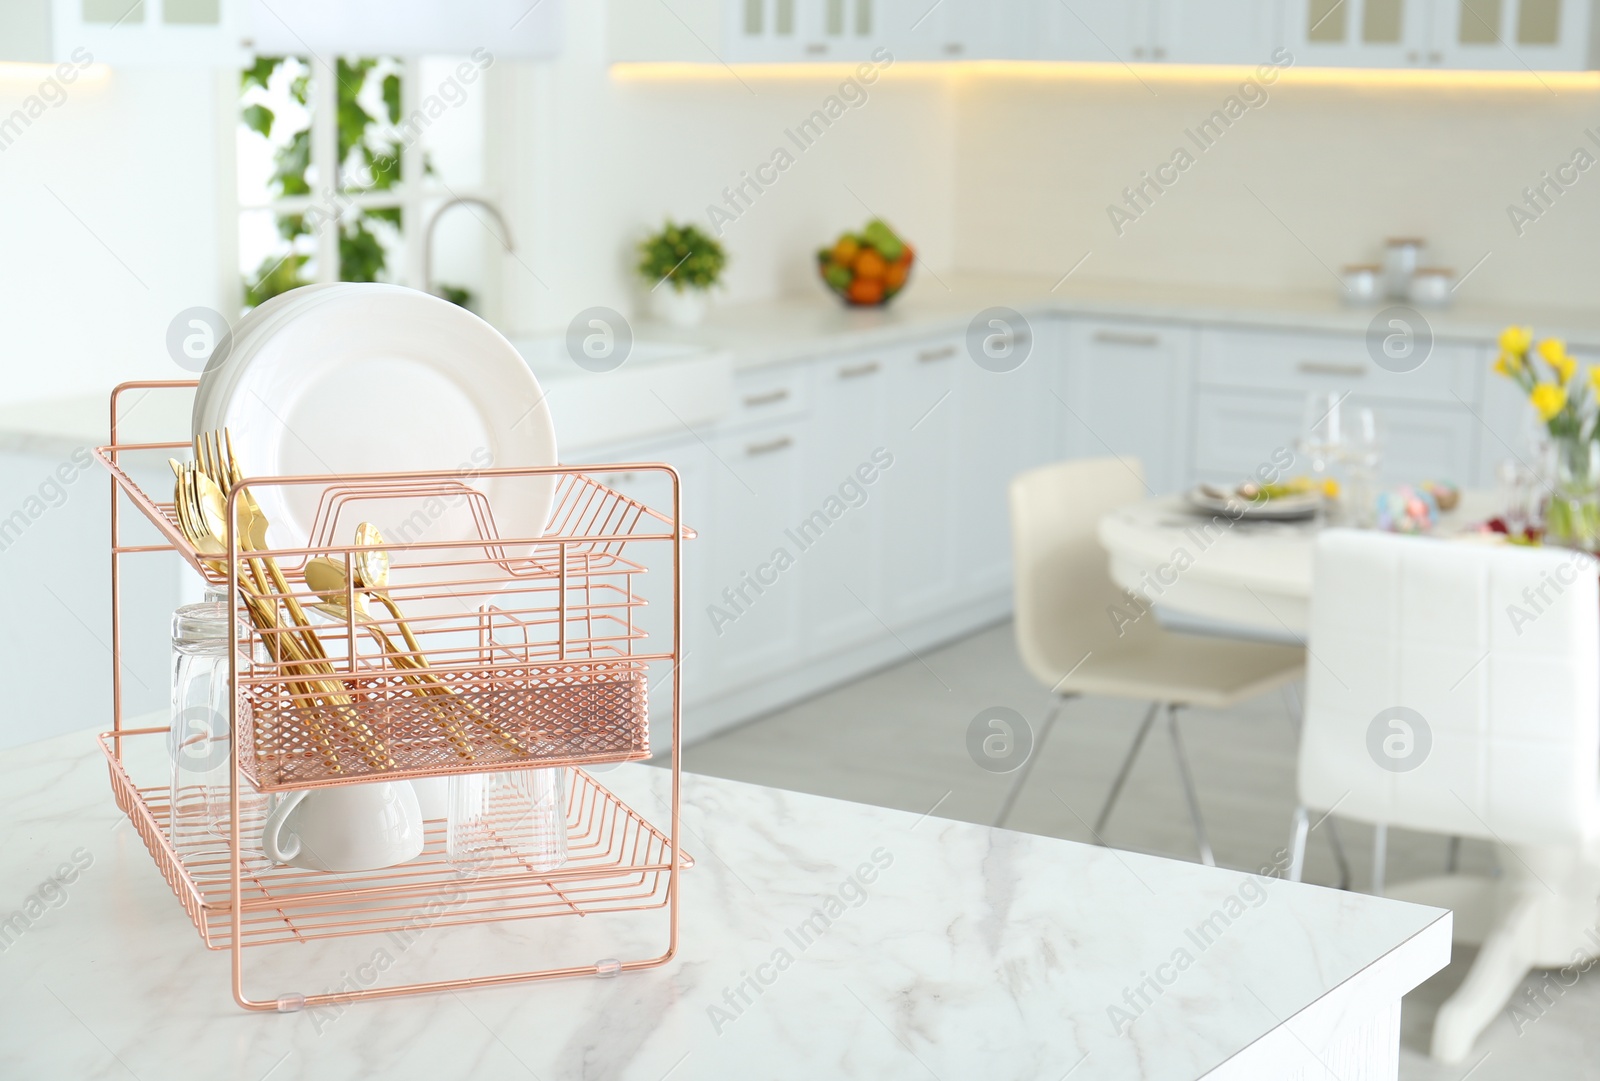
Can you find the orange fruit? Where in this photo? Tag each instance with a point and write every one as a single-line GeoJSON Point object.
{"type": "Point", "coordinates": [895, 276]}
{"type": "Point", "coordinates": [844, 252]}
{"type": "Point", "coordinates": [905, 256]}
{"type": "Point", "coordinates": [865, 291]}
{"type": "Point", "coordinates": [869, 264]}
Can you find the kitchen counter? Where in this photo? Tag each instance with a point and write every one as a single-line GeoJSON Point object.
{"type": "Point", "coordinates": [819, 939]}
{"type": "Point", "coordinates": [814, 323]}
{"type": "Point", "coordinates": [799, 327]}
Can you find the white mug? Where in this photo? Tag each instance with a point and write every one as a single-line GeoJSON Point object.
{"type": "Point", "coordinates": [358, 827]}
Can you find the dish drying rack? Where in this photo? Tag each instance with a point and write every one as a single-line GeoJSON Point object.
{"type": "Point", "coordinates": [537, 640]}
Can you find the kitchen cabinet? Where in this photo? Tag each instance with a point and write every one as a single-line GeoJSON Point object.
{"type": "Point", "coordinates": [1098, 31]}
{"type": "Point", "coordinates": [1361, 33]}
{"type": "Point", "coordinates": [839, 529]}
{"type": "Point", "coordinates": [964, 29]}
{"type": "Point", "coordinates": [796, 30]}
{"type": "Point", "coordinates": [1215, 31]}
{"type": "Point", "coordinates": [1548, 35]}
{"type": "Point", "coordinates": [214, 33]}
{"type": "Point", "coordinates": [920, 499]}
{"type": "Point", "coordinates": [1003, 421]}
{"type": "Point", "coordinates": [1127, 394]}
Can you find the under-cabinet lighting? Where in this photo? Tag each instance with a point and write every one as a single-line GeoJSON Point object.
{"type": "Point", "coordinates": [1076, 71]}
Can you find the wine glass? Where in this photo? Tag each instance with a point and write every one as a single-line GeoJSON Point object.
{"type": "Point", "coordinates": [1363, 455]}
{"type": "Point", "coordinates": [1322, 435]}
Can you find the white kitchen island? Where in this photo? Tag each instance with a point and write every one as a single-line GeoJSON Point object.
{"type": "Point", "coordinates": [820, 939]}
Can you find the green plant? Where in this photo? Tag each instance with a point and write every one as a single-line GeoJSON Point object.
{"type": "Point", "coordinates": [369, 161]}
{"type": "Point", "coordinates": [682, 256]}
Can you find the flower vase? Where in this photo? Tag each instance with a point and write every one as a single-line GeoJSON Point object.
{"type": "Point", "coordinates": [1573, 517]}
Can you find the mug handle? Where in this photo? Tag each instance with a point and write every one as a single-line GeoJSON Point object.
{"type": "Point", "coordinates": [271, 843]}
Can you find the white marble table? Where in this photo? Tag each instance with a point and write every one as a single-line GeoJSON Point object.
{"type": "Point", "coordinates": [1248, 577]}
{"type": "Point", "coordinates": [945, 951]}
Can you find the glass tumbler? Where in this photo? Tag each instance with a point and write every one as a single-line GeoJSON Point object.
{"type": "Point", "coordinates": [200, 740]}
{"type": "Point", "coordinates": [509, 820]}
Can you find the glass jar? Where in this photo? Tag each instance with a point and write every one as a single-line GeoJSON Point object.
{"type": "Point", "coordinates": [200, 740]}
{"type": "Point", "coordinates": [1572, 519]}
{"type": "Point", "coordinates": [512, 820]}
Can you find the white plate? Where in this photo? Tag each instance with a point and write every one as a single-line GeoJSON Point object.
{"type": "Point", "coordinates": [376, 378]}
{"type": "Point", "coordinates": [1282, 509]}
{"type": "Point", "coordinates": [243, 338]}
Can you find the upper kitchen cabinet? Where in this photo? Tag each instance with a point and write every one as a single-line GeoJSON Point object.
{"type": "Point", "coordinates": [964, 29]}
{"type": "Point", "coordinates": [1098, 31]}
{"type": "Point", "coordinates": [1550, 35]}
{"type": "Point", "coordinates": [126, 32]}
{"type": "Point", "coordinates": [227, 33]}
{"type": "Point", "coordinates": [1360, 33]}
{"type": "Point", "coordinates": [791, 30]}
{"type": "Point", "coordinates": [1546, 35]}
{"type": "Point", "coordinates": [1216, 31]}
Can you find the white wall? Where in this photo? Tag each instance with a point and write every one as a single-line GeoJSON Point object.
{"type": "Point", "coordinates": [1342, 166]}
{"type": "Point", "coordinates": [131, 154]}
{"type": "Point", "coordinates": [600, 158]}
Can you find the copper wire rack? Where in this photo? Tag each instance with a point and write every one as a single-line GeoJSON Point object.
{"type": "Point", "coordinates": [489, 652]}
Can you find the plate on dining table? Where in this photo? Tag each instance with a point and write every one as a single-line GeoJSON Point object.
{"type": "Point", "coordinates": [1247, 504]}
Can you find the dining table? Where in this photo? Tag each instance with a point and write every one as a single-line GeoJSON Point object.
{"type": "Point", "coordinates": [1207, 571]}
{"type": "Point", "coordinates": [818, 938]}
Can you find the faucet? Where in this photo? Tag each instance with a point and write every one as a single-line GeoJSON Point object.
{"type": "Point", "coordinates": [427, 234]}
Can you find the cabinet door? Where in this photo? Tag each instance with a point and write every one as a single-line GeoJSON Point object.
{"type": "Point", "coordinates": [122, 32]}
{"type": "Point", "coordinates": [919, 489]}
{"type": "Point", "coordinates": [764, 31]}
{"type": "Point", "coordinates": [1550, 35]}
{"type": "Point", "coordinates": [844, 29]}
{"type": "Point", "coordinates": [1002, 420]}
{"type": "Point", "coordinates": [838, 531]}
{"type": "Point", "coordinates": [753, 581]}
{"type": "Point", "coordinates": [959, 29]}
{"type": "Point", "coordinates": [1218, 31]}
{"type": "Point", "coordinates": [1128, 395]}
{"type": "Point", "coordinates": [1103, 31]}
{"type": "Point", "coordinates": [1238, 431]}
{"type": "Point", "coordinates": [654, 587]}
{"type": "Point", "coordinates": [1360, 33]}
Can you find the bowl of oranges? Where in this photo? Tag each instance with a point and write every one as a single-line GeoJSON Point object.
{"type": "Point", "coordinates": [867, 268]}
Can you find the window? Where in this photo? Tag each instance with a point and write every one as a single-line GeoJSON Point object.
{"type": "Point", "coordinates": [338, 163]}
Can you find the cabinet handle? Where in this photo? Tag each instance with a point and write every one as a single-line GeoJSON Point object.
{"type": "Point", "coordinates": [1435, 56]}
{"type": "Point", "coordinates": [1116, 337]}
{"type": "Point", "coordinates": [816, 48]}
{"type": "Point", "coordinates": [954, 48]}
{"type": "Point", "coordinates": [856, 371]}
{"type": "Point", "coordinates": [1159, 53]}
{"type": "Point", "coordinates": [1329, 367]}
{"type": "Point", "coordinates": [771, 446]}
{"type": "Point", "coordinates": [928, 356]}
{"type": "Point", "coordinates": [770, 397]}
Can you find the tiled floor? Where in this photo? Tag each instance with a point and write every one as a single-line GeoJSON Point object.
{"type": "Point", "coordinates": [898, 738]}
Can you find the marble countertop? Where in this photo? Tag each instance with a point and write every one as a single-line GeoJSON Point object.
{"type": "Point", "coordinates": [819, 939]}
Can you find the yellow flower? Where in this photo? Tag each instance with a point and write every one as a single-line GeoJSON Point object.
{"type": "Point", "coordinates": [1330, 488]}
{"type": "Point", "coordinates": [1516, 340]}
{"type": "Point", "coordinates": [1509, 364]}
{"type": "Point", "coordinates": [1594, 379]}
{"type": "Point", "coordinates": [1554, 352]}
{"type": "Point", "coordinates": [1548, 399]}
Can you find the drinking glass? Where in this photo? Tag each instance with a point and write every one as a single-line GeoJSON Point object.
{"type": "Point", "coordinates": [1322, 433]}
{"type": "Point", "coordinates": [200, 740]}
{"type": "Point", "coordinates": [515, 818]}
{"type": "Point", "coordinates": [1363, 456]}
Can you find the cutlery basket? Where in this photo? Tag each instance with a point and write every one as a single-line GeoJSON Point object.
{"type": "Point", "coordinates": [460, 650]}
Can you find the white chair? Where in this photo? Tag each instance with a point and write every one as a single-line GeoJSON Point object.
{"type": "Point", "coordinates": [1074, 641]}
{"type": "Point", "coordinates": [1453, 688]}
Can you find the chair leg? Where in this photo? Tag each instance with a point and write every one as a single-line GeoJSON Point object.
{"type": "Point", "coordinates": [1502, 962]}
{"type": "Point", "coordinates": [1338, 855]}
{"type": "Point", "coordinates": [1452, 856]}
{"type": "Point", "coordinates": [1297, 844]}
{"type": "Point", "coordinates": [1122, 774]}
{"type": "Point", "coordinates": [1380, 857]}
{"type": "Point", "coordinates": [1057, 701]}
{"type": "Point", "coordinates": [1201, 840]}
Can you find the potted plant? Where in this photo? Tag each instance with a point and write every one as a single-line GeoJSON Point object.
{"type": "Point", "coordinates": [1548, 374]}
{"type": "Point", "coordinates": [679, 265]}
